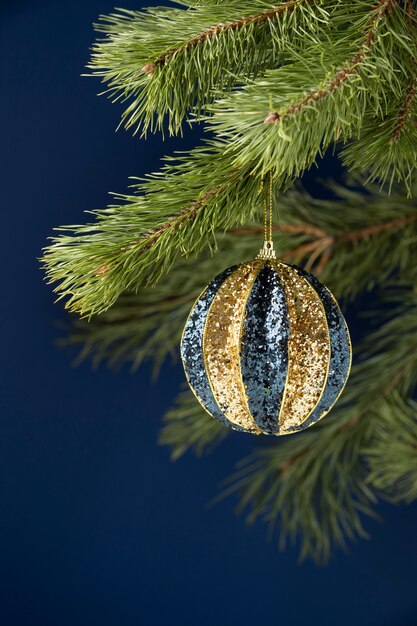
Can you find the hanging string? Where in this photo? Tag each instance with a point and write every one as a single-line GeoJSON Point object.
{"type": "Point", "coordinates": [268, 248]}
{"type": "Point", "coordinates": [270, 205]}
{"type": "Point", "coordinates": [260, 191]}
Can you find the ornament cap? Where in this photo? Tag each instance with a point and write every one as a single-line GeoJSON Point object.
{"type": "Point", "coordinates": [267, 251]}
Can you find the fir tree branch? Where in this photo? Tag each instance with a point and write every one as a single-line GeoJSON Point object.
{"type": "Point", "coordinates": [387, 150]}
{"type": "Point", "coordinates": [393, 155]}
{"type": "Point", "coordinates": [175, 222]}
{"type": "Point", "coordinates": [216, 185]}
{"type": "Point", "coordinates": [220, 29]}
{"type": "Point", "coordinates": [406, 111]}
{"type": "Point", "coordinates": [319, 251]}
{"type": "Point", "coordinates": [321, 235]}
{"type": "Point", "coordinates": [138, 241]}
{"type": "Point", "coordinates": [144, 53]}
{"type": "Point", "coordinates": [352, 66]}
{"type": "Point", "coordinates": [374, 230]}
{"type": "Point", "coordinates": [344, 95]}
{"type": "Point", "coordinates": [393, 455]}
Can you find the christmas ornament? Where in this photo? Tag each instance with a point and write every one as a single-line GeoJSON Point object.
{"type": "Point", "coordinates": [266, 348]}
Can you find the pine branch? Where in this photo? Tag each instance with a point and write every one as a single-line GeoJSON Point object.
{"type": "Point", "coordinates": [317, 253]}
{"type": "Point", "coordinates": [216, 186]}
{"type": "Point", "coordinates": [358, 80]}
{"type": "Point", "coordinates": [352, 66]}
{"type": "Point", "coordinates": [138, 241]}
{"type": "Point", "coordinates": [375, 230]}
{"type": "Point", "coordinates": [314, 488]}
{"type": "Point", "coordinates": [387, 149]}
{"type": "Point", "coordinates": [406, 111]}
{"type": "Point", "coordinates": [393, 455]}
{"type": "Point", "coordinates": [211, 47]}
{"type": "Point", "coordinates": [222, 29]}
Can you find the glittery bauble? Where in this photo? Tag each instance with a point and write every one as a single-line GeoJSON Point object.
{"type": "Point", "coordinates": [266, 348]}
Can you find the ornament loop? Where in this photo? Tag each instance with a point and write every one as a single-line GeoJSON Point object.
{"type": "Point", "coordinates": [267, 251]}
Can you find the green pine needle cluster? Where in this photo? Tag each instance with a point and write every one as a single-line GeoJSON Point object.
{"type": "Point", "coordinates": [276, 86]}
{"type": "Point", "coordinates": [348, 73]}
{"type": "Point", "coordinates": [143, 54]}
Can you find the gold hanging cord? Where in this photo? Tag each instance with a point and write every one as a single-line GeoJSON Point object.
{"type": "Point", "coordinates": [267, 251]}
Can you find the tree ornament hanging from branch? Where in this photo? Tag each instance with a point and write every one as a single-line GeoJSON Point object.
{"type": "Point", "coordinates": [266, 349]}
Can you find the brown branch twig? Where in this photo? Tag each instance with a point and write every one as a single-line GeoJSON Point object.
{"type": "Point", "coordinates": [351, 235]}
{"type": "Point", "coordinates": [376, 229]}
{"type": "Point", "coordinates": [405, 111]}
{"type": "Point", "coordinates": [218, 29]}
{"type": "Point", "coordinates": [187, 214]}
{"type": "Point", "coordinates": [174, 223]}
{"type": "Point", "coordinates": [322, 246]}
{"type": "Point", "coordinates": [323, 243]}
{"type": "Point", "coordinates": [350, 68]}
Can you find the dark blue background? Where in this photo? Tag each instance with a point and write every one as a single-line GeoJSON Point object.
{"type": "Point", "coordinates": [96, 525]}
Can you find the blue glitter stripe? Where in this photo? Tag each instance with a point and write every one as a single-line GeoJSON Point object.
{"type": "Point", "coordinates": [192, 349]}
{"type": "Point", "coordinates": [340, 356]}
{"type": "Point", "coordinates": [264, 349]}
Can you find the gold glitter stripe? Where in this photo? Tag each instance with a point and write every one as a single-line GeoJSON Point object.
{"type": "Point", "coordinates": [308, 350]}
{"type": "Point", "coordinates": [221, 345]}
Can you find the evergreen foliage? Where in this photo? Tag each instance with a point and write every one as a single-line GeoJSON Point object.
{"type": "Point", "coordinates": [276, 86]}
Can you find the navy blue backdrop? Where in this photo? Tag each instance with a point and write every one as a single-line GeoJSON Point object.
{"type": "Point", "coordinates": [97, 526]}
